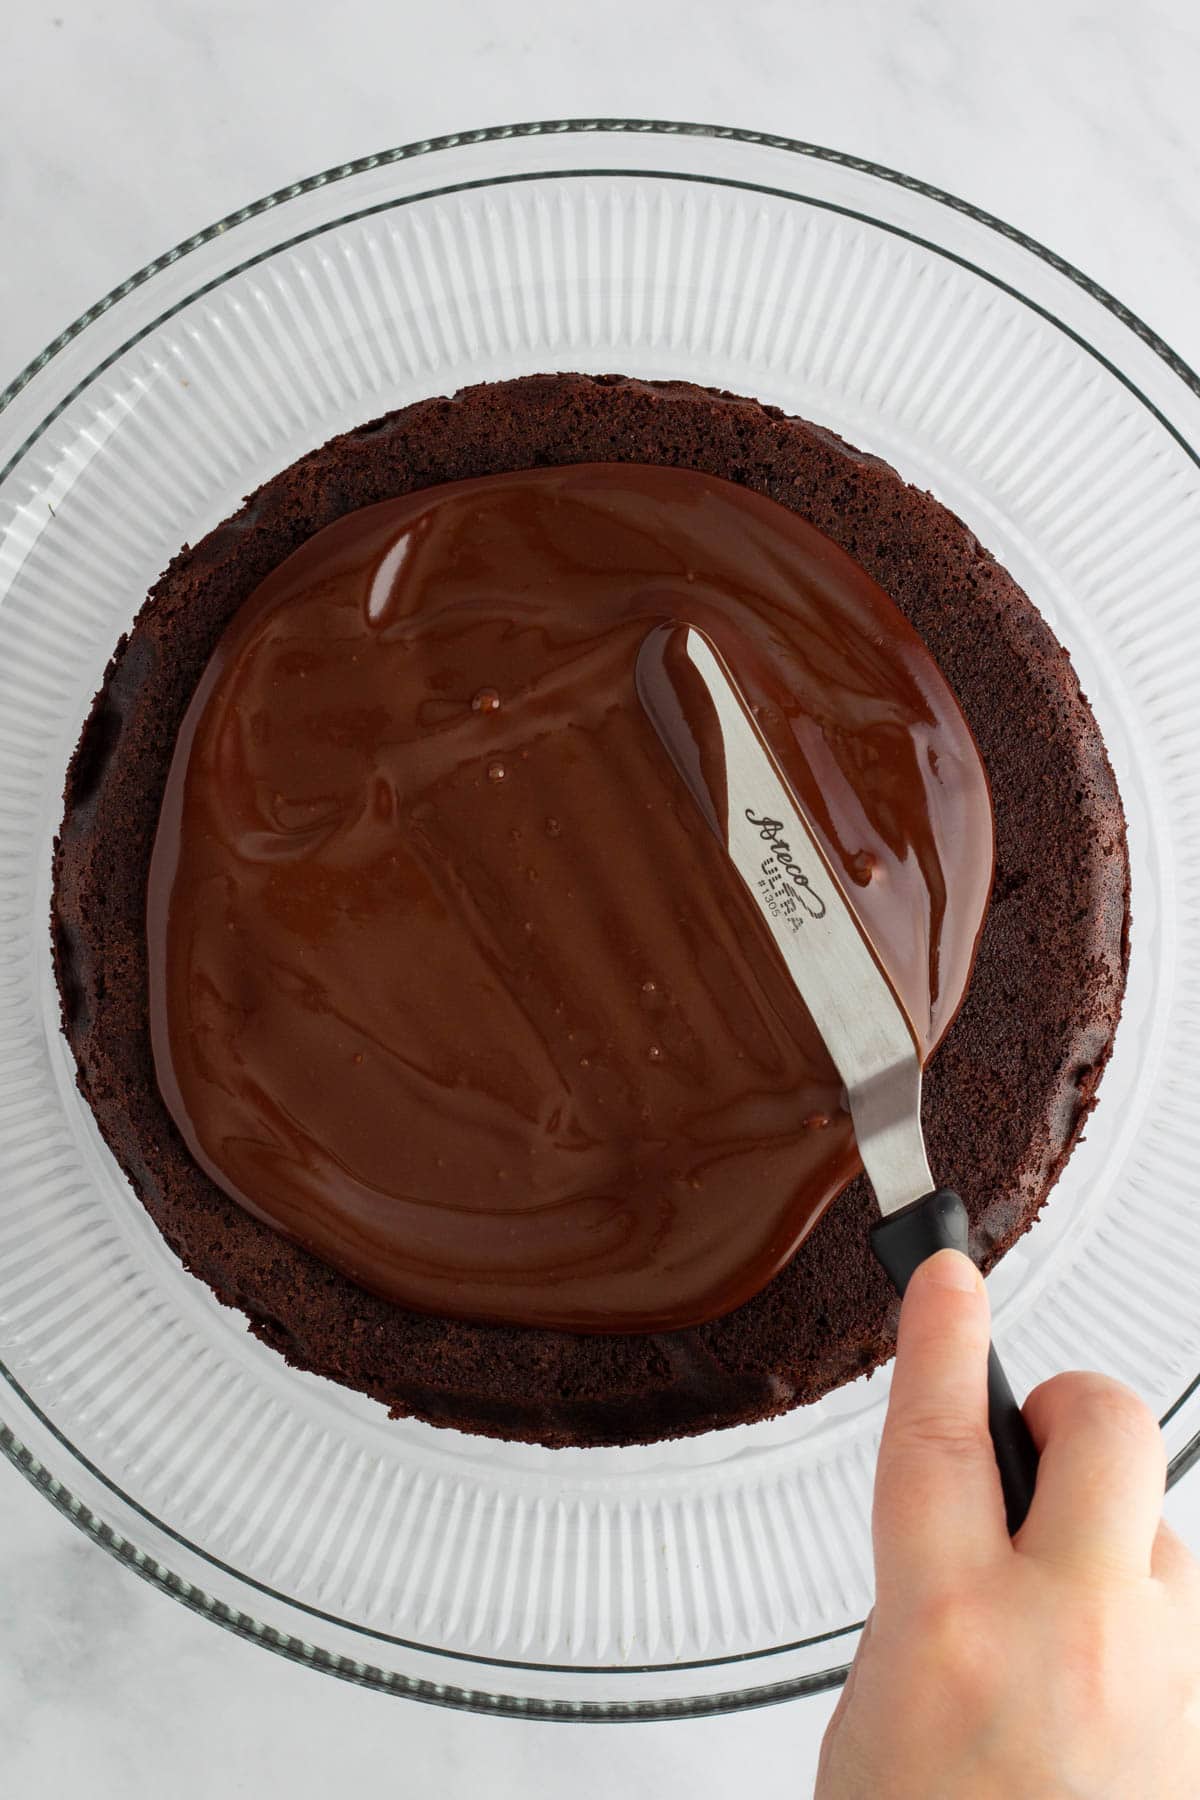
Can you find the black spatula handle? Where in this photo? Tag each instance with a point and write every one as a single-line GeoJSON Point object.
{"type": "Point", "coordinates": [902, 1241]}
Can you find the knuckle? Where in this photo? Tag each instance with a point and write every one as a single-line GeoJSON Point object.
{"type": "Point", "coordinates": [1095, 1656]}
{"type": "Point", "coordinates": [943, 1431]}
{"type": "Point", "coordinates": [956, 1642]}
{"type": "Point", "coordinates": [1099, 1400]}
{"type": "Point", "coordinates": [1118, 1409]}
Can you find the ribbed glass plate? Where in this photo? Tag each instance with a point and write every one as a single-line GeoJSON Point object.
{"type": "Point", "coordinates": [732, 1568]}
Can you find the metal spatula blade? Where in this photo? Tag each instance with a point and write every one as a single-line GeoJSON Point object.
{"type": "Point", "coordinates": [828, 955]}
{"type": "Point", "coordinates": [738, 785]}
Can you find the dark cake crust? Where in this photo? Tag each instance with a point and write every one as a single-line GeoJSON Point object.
{"type": "Point", "coordinates": [1006, 1095]}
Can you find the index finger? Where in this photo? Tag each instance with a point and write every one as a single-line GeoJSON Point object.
{"type": "Point", "coordinates": [938, 1506]}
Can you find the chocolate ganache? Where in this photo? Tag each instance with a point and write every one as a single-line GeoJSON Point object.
{"type": "Point", "coordinates": [449, 980]}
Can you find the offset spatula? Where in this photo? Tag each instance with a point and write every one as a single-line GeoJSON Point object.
{"type": "Point", "coordinates": [740, 789]}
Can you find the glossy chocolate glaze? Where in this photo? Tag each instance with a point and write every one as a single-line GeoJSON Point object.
{"type": "Point", "coordinates": [449, 979]}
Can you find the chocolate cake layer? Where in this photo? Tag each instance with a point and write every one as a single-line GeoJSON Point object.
{"type": "Point", "coordinates": [1006, 1093]}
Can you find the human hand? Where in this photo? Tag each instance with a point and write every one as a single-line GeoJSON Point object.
{"type": "Point", "coordinates": [1061, 1665]}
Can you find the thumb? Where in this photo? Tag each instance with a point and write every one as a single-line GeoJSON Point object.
{"type": "Point", "coordinates": [938, 1506]}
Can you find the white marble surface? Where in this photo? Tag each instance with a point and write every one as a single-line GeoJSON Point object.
{"type": "Point", "coordinates": [127, 124]}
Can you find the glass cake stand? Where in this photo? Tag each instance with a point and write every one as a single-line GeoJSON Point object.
{"type": "Point", "coordinates": [734, 1568]}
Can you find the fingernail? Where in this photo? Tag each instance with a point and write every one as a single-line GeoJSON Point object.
{"type": "Point", "coordinates": [951, 1269]}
